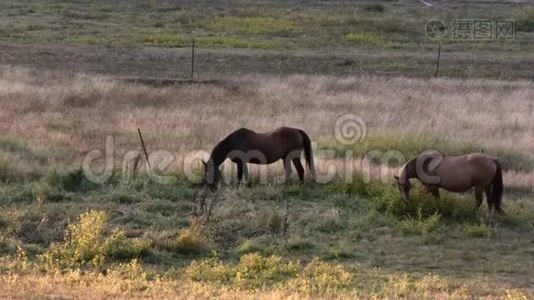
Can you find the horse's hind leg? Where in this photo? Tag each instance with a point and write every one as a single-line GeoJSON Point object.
{"type": "Point", "coordinates": [478, 198]}
{"type": "Point", "coordinates": [287, 167]}
{"type": "Point", "coordinates": [300, 168]}
{"type": "Point", "coordinates": [489, 200]}
{"type": "Point", "coordinates": [491, 207]}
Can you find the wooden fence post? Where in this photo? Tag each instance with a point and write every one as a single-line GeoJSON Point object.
{"type": "Point", "coordinates": [192, 59]}
{"type": "Point", "coordinates": [436, 74]}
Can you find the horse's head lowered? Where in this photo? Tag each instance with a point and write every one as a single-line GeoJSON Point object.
{"type": "Point", "coordinates": [404, 186]}
{"type": "Point", "coordinates": [212, 174]}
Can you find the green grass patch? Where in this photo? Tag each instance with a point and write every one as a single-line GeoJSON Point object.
{"type": "Point", "coordinates": [396, 149]}
{"type": "Point", "coordinates": [250, 246]}
{"type": "Point", "coordinates": [87, 40]}
{"type": "Point", "coordinates": [524, 20]}
{"type": "Point", "coordinates": [420, 225]}
{"type": "Point", "coordinates": [71, 181]}
{"type": "Point", "coordinates": [476, 230]}
{"type": "Point", "coordinates": [6, 172]}
{"type": "Point", "coordinates": [374, 7]}
{"type": "Point", "coordinates": [365, 38]}
{"type": "Point", "coordinates": [164, 39]}
{"type": "Point", "coordinates": [252, 25]}
{"type": "Point", "coordinates": [13, 144]}
{"type": "Point", "coordinates": [238, 42]}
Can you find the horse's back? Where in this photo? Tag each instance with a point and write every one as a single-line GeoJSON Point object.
{"type": "Point", "coordinates": [242, 131]}
{"type": "Point", "coordinates": [286, 131]}
{"type": "Point", "coordinates": [480, 162]}
{"type": "Point", "coordinates": [280, 131]}
{"type": "Point", "coordinates": [467, 170]}
{"type": "Point", "coordinates": [272, 145]}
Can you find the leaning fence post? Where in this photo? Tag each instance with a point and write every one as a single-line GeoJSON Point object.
{"type": "Point", "coordinates": [144, 148]}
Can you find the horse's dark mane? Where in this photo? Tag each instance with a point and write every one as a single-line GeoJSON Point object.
{"type": "Point", "coordinates": [219, 152]}
{"type": "Point", "coordinates": [410, 168]}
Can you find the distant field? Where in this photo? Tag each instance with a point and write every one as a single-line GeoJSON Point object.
{"type": "Point", "coordinates": [324, 37]}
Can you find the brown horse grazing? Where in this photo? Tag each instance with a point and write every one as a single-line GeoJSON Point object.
{"type": "Point", "coordinates": [456, 174]}
{"type": "Point", "coordinates": [246, 146]}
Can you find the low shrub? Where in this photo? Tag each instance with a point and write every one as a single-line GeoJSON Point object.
{"type": "Point", "coordinates": [420, 225]}
{"type": "Point", "coordinates": [249, 246]}
{"type": "Point", "coordinates": [524, 20]}
{"type": "Point", "coordinates": [374, 7]}
{"type": "Point", "coordinates": [191, 240]}
{"type": "Point", "coordinates": [86, 243]}
{"type": "Point", "coordinates": [71, 181]}
{"type": "Point", "coordinates": [476, 230]}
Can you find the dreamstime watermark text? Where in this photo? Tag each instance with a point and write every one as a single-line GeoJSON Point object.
{"type": "Point", "coordinates": [341, 161]}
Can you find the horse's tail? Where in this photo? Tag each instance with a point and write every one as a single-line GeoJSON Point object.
{"type": "Point", "coordinates": [497, 187]}
{"type": "Point", "coordinates": [308, 152]}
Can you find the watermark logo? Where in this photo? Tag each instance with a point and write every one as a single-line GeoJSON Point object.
{"type": "Point", "coordinates": [426, 165]}
{"type": "Point", "coordinates": [435, 29]}
{"type": "Point", "coordinates": [505, 29]}
{"type": "Point", "coordinates": [350, 129]}
{"type": "Point", "coordinates": [471, 29]}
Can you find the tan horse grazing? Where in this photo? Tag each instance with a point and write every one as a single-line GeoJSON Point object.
{"type": "Point", "coordinates": [456, 174]}
{"type": "Point", "coordinates": [246, 146]}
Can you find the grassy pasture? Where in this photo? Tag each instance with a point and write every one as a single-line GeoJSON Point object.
{"type": "Point", "coordinates": [131, 236]}
{"type": "Point", "coordinates": [304, 64]}
{"type": "Point", "coordinates": [351, 34]}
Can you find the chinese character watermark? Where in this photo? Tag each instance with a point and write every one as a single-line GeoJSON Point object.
{"type": "Point", "coordinates": [471, 29]}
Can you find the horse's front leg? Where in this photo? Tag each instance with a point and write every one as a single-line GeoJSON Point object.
{"type": "Point", "coordinates": [245, 174]}
{"type": "Point", "coordinates": [240, 170]}
{"type": "Point", "coordinates": [432, 189]}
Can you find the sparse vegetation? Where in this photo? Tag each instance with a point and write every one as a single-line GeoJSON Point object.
{"type": "Point", "coordinates": [381, 37]}
{"type": "Point", "coordinates": [365, 38]}
{"type": "Point", "coordinates": [525, 20]}
{"type": "Point", "coordinates": [252, 25]}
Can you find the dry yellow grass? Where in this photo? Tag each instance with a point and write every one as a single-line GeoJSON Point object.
{"type": "Point", "coordinates": [131, 280]}
{"type": "Point", "coordinates": [63, 118]}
